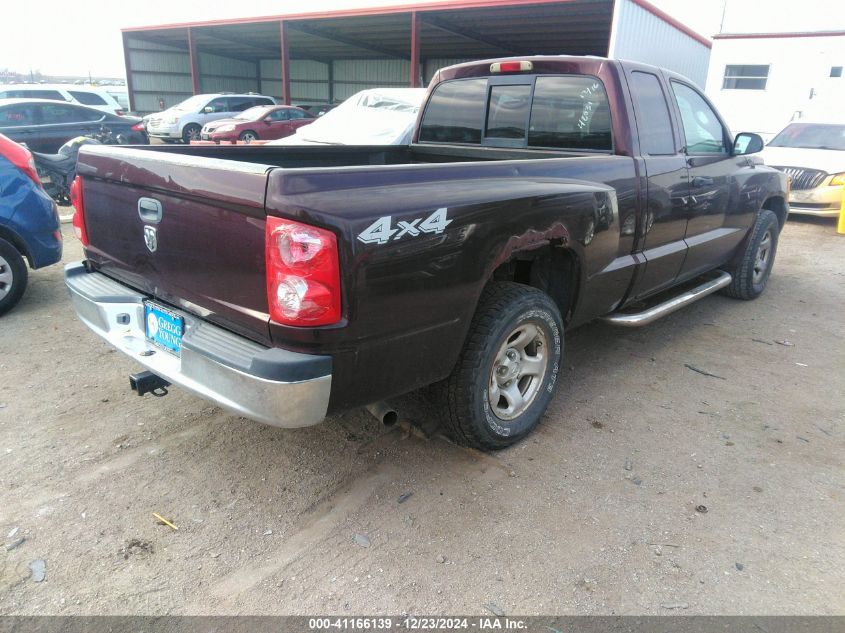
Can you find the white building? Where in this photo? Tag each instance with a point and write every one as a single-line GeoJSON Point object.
{"type": "Point", "coordinates": [761, 81]}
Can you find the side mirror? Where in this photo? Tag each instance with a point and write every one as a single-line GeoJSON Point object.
{"type": "Point", "coordinates": [208, 110]}
{"type": "Point", "coordinates": [268, 120]}
{"type": "Point", "coordinates": [747, 143]}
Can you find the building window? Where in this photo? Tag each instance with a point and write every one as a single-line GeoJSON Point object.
{"type": "Point", "coordinates": [836, 71]}
{"type": "Point", "coordinates": [745, 77]}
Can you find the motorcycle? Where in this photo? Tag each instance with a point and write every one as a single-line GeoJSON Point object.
{"type": "Point", "coordinates": [57, 171]}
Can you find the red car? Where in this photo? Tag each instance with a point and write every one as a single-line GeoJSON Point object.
{"type": "Point", "coordinates": [260, 122]}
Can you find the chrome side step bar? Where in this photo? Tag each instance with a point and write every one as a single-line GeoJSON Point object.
{"type": "Point", "coordinates": [639, 319]}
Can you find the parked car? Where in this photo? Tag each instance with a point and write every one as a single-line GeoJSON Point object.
{"type": "Point", "coordinates": [813, 156]}
{"type": "Point", "coordinates": [286, 283]}
{"type": "Point", "coordinates": [29, 223]}
{"type": "Point", "coordinates": [263, 122]}
{"type": "Point", "coordinates": [318, 109]}
{"type": "Point", "coordinates": [186, 120]}
{"type": "Point", "coordinates": [46, 125]}
{"type": "Point", "coordinates": [381, 116]}
{"type": "Point", "coordinates": [121, 95]}
{"type": "Point", "coordinates": [96, 98]}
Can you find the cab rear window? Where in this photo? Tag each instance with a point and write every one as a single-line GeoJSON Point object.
{"type": "Point", "coordinates": [455, 112]}
{"type": "Point", "coordinates": [548, 111]}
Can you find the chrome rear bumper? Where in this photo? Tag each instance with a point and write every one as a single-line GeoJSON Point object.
{"type": "Point", "coordinates": [270, 385]}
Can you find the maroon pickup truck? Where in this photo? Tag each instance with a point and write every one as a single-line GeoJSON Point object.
{"type": "Point", "coordinates": [288, 283]}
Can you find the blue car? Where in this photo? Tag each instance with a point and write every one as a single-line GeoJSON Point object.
{"type": "Point", "coordinates": [29, 223]}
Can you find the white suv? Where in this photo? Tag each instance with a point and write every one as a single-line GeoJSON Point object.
{"type": "Point", "coordinates": [185, 120]}
{"type": "Point", "coordinates": [90, 96]}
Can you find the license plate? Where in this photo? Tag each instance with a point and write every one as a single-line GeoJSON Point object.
{"type": "Point", "coordinates": [205, 137]}
{"type": "Point", "coordinates": [163, 327]}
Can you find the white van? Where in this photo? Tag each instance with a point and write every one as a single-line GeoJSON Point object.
{"type": "Point", "coordinates": [90, 96]}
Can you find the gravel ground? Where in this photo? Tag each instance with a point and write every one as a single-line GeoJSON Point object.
{"type": "Point", "coordinates": [648, 489]}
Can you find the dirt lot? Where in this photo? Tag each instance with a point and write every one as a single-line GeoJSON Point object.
{"type": "Point", "coordinates": [594, 514]}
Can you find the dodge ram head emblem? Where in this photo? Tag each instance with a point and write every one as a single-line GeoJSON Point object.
{"type": "Point", "coordinates": [150, 238]}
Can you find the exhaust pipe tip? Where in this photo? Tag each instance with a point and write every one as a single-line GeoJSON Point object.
{"type": "Point", "coordinates": [384, 413]}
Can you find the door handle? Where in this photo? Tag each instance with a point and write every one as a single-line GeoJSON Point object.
{"type": "Point", "coordinates": [150, 210]}
{"type": "Point", "coordinates": [702, 181]}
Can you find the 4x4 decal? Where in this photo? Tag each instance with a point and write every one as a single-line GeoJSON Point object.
{"type": "Point", "coordinates": [382, 230]}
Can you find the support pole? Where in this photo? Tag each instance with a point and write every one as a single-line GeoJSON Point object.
{"type": "Point", "coordinates": [415, 50]}
{"type": "Point", "coordinates": [194, 60]}
{"type": "Point", "coordinates": [285, 62]}
{"type": "Point", "coordinates": [128, 65]}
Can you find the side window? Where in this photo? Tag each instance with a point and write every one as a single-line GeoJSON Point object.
{"type": "Point", "coordinates": [299, 114]}
{"type": "Point", "coordinates": [280, 115]}
{"type": "Point", "coordinates": [653, 121]}
{"type": "Point", "coordinates": [455, 112]}
{"type": "Point", "coordinates": [264, 101]}
{"type": "Point", "coordinates": [745, 77]}
{"type": "Point", "coordinates": [507, 114]}
{"type": "Point", "coordinates": [62, 113]}
{"type": "Point", "coordinates": [239, 104]}
{"type": "Point", "coordinates": [702, 128]}
{"type": "Point", "coordinates": [570, 112]}
{"type": "Point", "coordinates": [88, 98]}
{"type": "Point", "coordinates": [218, 105]}
{"type": "Point", "coordinates": [25, 93]}
{"type": "Point", "coordinates": [17, 116]}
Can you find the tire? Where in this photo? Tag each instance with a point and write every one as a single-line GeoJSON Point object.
{"type": "Point", "coordinates": [752, 272]}
{"type": "Point", "coordinates": [473, 413]}
{"type": "Point", "coordinates": [191, 132]}
{"type": "Point", "coordinates": [13, 276]}
{"type": "Point", "coordinates": [248, 136]}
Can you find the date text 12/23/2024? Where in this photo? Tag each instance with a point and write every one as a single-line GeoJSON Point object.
{"type": "Point", "coordinates": [416, 623]}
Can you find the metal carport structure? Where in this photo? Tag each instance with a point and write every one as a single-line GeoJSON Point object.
{"type": "Point", "coordinates": [326, 57]}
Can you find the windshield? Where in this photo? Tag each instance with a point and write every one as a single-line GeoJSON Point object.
{"type": "Point", "coordinates": [191, 103]}
{"type": "Point", "coordinates": [253, 114]}
{"type": "Point", "coordinates": [811, 136]}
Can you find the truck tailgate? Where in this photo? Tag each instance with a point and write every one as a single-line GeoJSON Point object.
{"type": "Point", "coordinates": [204, 255]}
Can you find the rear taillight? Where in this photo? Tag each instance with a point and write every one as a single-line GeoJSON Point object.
{"type": "Point", "coordinates": [303, 274]}
{"type": "Point", "coordinates": [138, 127]}
{"type": "Point", "coordinates": [20, 157]}
{"type": "Point", "coordinates": [77, 199]}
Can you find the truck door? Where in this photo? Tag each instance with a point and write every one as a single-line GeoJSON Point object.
{"type": "Point", "coordinates": [713, 191]}
{"type": "Point", "coordinates": [664, 203]}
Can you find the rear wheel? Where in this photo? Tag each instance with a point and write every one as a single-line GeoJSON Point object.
{"type": "Point", "coordinates": [191, 132]}
{"type": "Point", "coordinates": [13, 276]}
{"type": "Point", "coordinates": [248, 136]}
{"type": "Point", "coordinates": [752, 272]}
{"type": "Point", "coordinates": [505, 376]}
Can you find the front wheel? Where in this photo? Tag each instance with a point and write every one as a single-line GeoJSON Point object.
{"type": "Point", "coordinates": [191, 132]}
{"type": "Point", "coordinates": [13, 276]}
{"type": "Point", "coordinates": [248, 136]}
{"type": "Point", "coordinates": [505, 376]}
{"type": "Point", "coordinates": [752, 272]}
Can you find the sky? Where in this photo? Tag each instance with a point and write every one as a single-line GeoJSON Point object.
{"type": "Point", "coordinates": [84, 36]}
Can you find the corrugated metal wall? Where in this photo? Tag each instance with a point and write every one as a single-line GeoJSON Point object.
{"type": "Point", "coordinates": [351, 76]}
{"type": "Point", "coordinates": [641, 36]}
{"type": "Point", "coordinates": [309, 80]}
{"type": "Point", "coordinates": [158, 71]}
{"type": "Point", "coordinates": [224, 74]}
